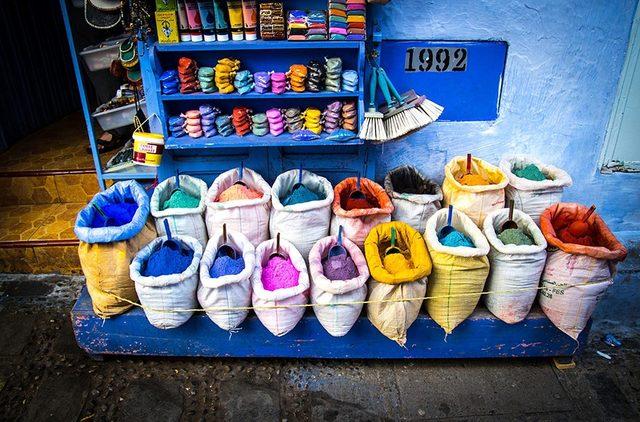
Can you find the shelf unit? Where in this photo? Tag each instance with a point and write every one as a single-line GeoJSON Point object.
{"type": "Point", "coordinates": [269, 155]}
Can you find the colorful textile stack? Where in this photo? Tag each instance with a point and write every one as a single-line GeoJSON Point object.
{"type": "Point", "coordinates": [187, 70]}
{"type": "Point", "coordinates": [317, 24]}
{"type": "Point", "coordinates": [312, 120]}
{"type": "Point", "coordinates": [225, 72]}
{"type": "Point", "coordinates": [333, 69]}
{"type": "Point", "coordinates": [260, 124]}
{"type": "Point", "coordinates": [276, 121]}
{"type": "Point", "coordinates": [169, 82]}
{"type": "Point", "coordinates": [243, 81]}
{"type": "Point", "coordinates": [262, 82]}
{"type": "Point", "coordinates": [272, 26]}
{"type": "Point", "coordinates": [350, 81]}
{"type": "Point", "coordinates": [176, 126]}
{"type": "Point", "coordinates": [297, 26]}
{"type": "Point", "coordinates": [293, 117]}
{"type": "Point", "coordinates": [241, 120]}
{"type": "Point", "coordinates": [206, 79]}
{"type": "Point", "coordinates": [224, 126]}
{"type": "Point", "coordinates": [297, 75]}
{"type": "Point", "coordinates": [192, 122]}
{"type": "Point", "coordinates": [315, 76]}
{"type": "Point", "coordinates": [331, 116]}
{"type": "Point", "coordinates": [278, 82]}
{"type": "Point", "coordinates": [350, 116]}
{"type": "Point", "coordinates": [338, 20]}
{"type": "Point", "coordinates": [356, 20]}
{"type": "Point", "coordinates": [208, 116]}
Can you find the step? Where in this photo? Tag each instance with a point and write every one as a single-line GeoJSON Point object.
{"type": "Point", "coordinates": [39, 239]}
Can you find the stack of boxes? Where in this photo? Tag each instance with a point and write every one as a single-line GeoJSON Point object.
{"type": "Point", "coordinates": [317, 23]}
{"type": "Point", "coordinates": [297, 26]}
{"type": "Point", "coordinates": [272, 26]}
{"type": "Point", "coordinates": [338, 20]}
{"type": "Point", "coordinates": [356, 20]}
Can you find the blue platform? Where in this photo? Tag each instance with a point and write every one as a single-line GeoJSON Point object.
{"type": "Point", "coordinates": [482, 335]}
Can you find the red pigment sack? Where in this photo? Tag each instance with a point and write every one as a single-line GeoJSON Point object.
{"type": "Point", "coordinates": [357, 223]}
{"type": "Point", "coordinates": [576, 276]}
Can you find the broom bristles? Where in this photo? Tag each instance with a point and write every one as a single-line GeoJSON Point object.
{"type": "Point", "coordinates": [431, 109]}
{"type": "Point", "coordinates": [373, 128]}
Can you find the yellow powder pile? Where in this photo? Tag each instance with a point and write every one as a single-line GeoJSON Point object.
{"type": "Point", "coordinates": [396, 262]}
{"type": "Point", "coordinates": [473, 180]}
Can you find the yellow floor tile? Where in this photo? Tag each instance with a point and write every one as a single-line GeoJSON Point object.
{"type": "Point", "coordinates": [59, 223]}
{"type": "Point", "coordinates": [20, 222]}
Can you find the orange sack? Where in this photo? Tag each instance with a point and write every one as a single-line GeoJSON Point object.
{"type": "Point", "coordinates": [358, 222]}
{"type": "Point", "coordinates": [576, 276]}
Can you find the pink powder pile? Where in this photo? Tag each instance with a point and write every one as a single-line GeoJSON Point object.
{"type": "Point", "coordinates": [238, 192]}
{"type": "Point", "coordinates": [279, 273]}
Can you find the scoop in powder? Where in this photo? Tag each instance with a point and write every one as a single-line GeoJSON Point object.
{"type": "Point", "coordinates": [238, 192]}
{"type": "Point", "coordinates": [279, 273]}
{"type": "Point", "coordinates": [339, 267]}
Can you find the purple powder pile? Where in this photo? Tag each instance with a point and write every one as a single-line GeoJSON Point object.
{"type": "Point", "coordinates": [339, 267]}
{"type": "Point", "coordinates": [225, 265]}
{"type": "Point", "coordinates": [279, 273]}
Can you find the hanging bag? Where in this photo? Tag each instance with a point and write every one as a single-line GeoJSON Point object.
{"type": "Point", "coordinates": [531, 196]}
{"type": "Point", "coordinates": [305, 223]}
{"type": "Point", "coordinates": [476, 202]}
{"type": "Point", "coordinates": [271, 306]}
{"type": "Point", "coordinates": [182, 221]}
{"type": "Point", "coordinates": [575, 276]}
{"type": "Point", "coordinates": [228, 291]}
{"type": "Point", "coordinates": [248, 216]}
{"type": "Point", "coordinates": [357, 223]}
{"type": "Point", "coordinates": [106, 252]}
{"type": "Point", "coordinates": [332, 297]}
{"type": "Point", "coordinates": [414, 197]}
{"type": "Point", "coordinates": [459, 273]}
{"type": "Point", "coordinates": [515, 269]}
{"type": "Point", "coordinates": [388, 310]}
{"type": "Point", "coordinates": [167, 300]}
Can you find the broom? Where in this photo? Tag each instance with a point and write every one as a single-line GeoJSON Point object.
{"type": "Point", "coordinates": [402, 118]}
{"type": "Point", "coordinates": [424, 105]}
{"type": "Point", "coordinates": [373, 126]}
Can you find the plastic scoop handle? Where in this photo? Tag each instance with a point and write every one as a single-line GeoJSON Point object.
{"type": "Point", "coordinates": [393, 248]}
{"type": "Point", "coordinates": [509, 224]}
{"type": "Point", "coordinates": [338, 249]}
{"type": "Point", "coordinates": [448, 228]}
{"type": "Point", "coordinates": [468, 163]}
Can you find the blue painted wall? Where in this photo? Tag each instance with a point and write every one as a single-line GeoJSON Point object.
{"type": "Point", "coordinates": [563, 65]}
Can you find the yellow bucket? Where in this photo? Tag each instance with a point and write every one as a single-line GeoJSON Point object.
{"type": "Point", "coordinates": [147, 148]}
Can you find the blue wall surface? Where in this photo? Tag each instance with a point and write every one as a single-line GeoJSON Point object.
{"type": "Point", "coordinates": [563, 65]}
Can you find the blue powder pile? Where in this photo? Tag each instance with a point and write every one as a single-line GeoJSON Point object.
{"type": "Point", "coordinates": [226, 265]}
{"type": "Point", "coordinates": [300, 195]}
{"type": "Point", "coordinates": [118, 214]}
{"type": "Point", "coordinates": [167, 261]}
{"type": "Point", "coordinates": [456, 239]}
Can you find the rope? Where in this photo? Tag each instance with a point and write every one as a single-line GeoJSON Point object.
{"type": "Point", "coordinates": [357, 302]}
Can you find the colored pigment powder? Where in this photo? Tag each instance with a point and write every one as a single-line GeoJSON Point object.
{"type": "Point", "coordinates": [237, 193]}
{"type": "Point", "coordinates": [456, 239]}
{"type": "Point", "coordinates": [167, 261]}
{"type": "Point", "coordinates": [530, 172]}
{"type": "Point", "coordinates": [396, 262]}
{"type": "Point", "coordinates": [225, 265]}
{"type": "Point", "coordinates": [279, 273]}
{"type": "Point", "coordinates": [118, 214]}
{"type": "Point", "coordinates": [181, 199]}
{"type": "Point", "coordinates": [357, 204]}
{"type": "Point", "coordinates": [473, 180]}
{"type": "Point", "coordinates": [567, 237]}
{"type": "Point", "coordinates": [300, 195]}
{"type": "Point", "coordinates": [515, 237]}
{"type": "Point", "coordinates": [339, 267]}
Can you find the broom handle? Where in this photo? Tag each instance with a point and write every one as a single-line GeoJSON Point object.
{"type": "Point", "coordinates": [385, 90]}
{"type": "Point", "coordinates": [393, 89]}
{"type": "Point", "coordinates": [373, 81]}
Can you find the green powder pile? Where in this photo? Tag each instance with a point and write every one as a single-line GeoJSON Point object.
{"type": "Point", "coordinates": [530, 172]}
{"type": "Point", "coordinates": [181, 199]}
{"type": "Point", "coordinates": [515, 237]}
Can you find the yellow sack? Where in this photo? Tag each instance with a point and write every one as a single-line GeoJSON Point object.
{"type": "Point", "coordinates": [106, 268]}
{"type": "Point", "coordinates": [394, 318]}
{"type": "Point", "coordinates": [475, 201]}
{"type": "Point", "coordinates": [456, 271]}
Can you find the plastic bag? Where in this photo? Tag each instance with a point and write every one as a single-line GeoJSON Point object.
{"type": "Point", "coordinates": [325, 293]}
{"type": "Point", "coordinates": [162, 297]}
{"type": "Point", "coordinates": [229, 291]}
{"type": "Point", "coordinates": [414, 197]}
{"type": "Point", "coordinates": [106, 252]}
{"type": "Point", "coordinates": [515, 269]}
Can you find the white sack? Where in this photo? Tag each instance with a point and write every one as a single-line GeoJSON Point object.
{"type": "Point", "coordinates": [182, 221]}
{"type": "Point", "coordinates": [162, 296]}
{"type": "Point", "coordinates": [514, 270]}
{"type": "Point", "coordinates": [301, 224]}
{"type": "Point", "coordinates": [229, 291]}
{"type": "Point", "coordinates": [338, 319]}
{"type": "Point", "coordinates": [279, 320]}
{"type": "Point", "coordinates": [248, 216]}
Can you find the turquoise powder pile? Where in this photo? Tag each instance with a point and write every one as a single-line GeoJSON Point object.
{"type": "Point", "coordinates": [456, 239]}
{"type": "Point", "coordinates": [530, 172]}
{"type": "Point", "coordinates": [181, 199]}
{"type": "Point", "coordinates": [225, 265]}
{"type": "Point", "coordinates": [300, 195]}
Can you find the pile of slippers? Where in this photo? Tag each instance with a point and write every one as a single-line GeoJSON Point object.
{"type": "Point", "coordinates": [278, 82]}
{"type": "Point", "coordinates": [293, 118]}
{"type": "Point", "coordinates": [224, 126]}
{"type": "Point", "coordinates": [276, 121]}
{"type": "Point", "coordinates": [169, 82]}
{"type": "Point", "coordinates": [193, 126]}
{"type": "Point", "coordinates": [331, 116]}
{"type": "Point", "coordinates": [297, 77]}
{"type": "Point", "coordinates": [349, 116]}
{"type": "Point", "coordinates": [350, 81]}
{"type": "Point", "coordinates": [176, 126]}
{"type": "Point", "coordinates": [243, 81]}
{"type": "Point", "coordinates": [208, 116]}
{"type": "Point", "coordinates": [333, 77]}
{"type": "Point", "coordinates": [187, 71]}
{"type": "Point", "coordinates": [225, 72]}
{"type": "Point", "coordinates": [262, 82]}
{"type": "Point", "coordinates": [259, 124]}
{"type": "Point", "coordinates": [241, 120]}
{"type": "Point", "coordinates": [315, 76]}
{"type": "Point", "coordinates": [206, 77]}
{"type": "Point", "coordinates": [312, 117]}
